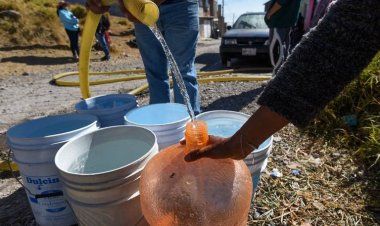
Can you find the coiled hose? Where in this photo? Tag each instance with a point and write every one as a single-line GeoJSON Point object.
{"type": "Point", "coordinates": [57, 79]}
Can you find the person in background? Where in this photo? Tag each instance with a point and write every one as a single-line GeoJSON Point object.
{"type": "Point", "coordinates": [71, 24]}
{"type": "Point", "coordinates": [281, 17]}
{"type": "Point", "coordinates": [328, 58]}
{"type": "Point", "coordinates": [103, 26]}
{"type": "Point", "coordinates": [179, 24]}
{"type": "Point", "coordinates": [319, 12]}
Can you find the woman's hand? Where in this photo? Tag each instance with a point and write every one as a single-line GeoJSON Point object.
{"type": "Point", "coordinates": [221, 148]}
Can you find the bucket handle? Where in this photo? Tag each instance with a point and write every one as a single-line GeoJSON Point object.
{"type": "Point", "coordinates": [36, 196]}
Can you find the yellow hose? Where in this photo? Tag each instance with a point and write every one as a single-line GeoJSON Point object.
{"type": "Point", "coordinates": [141, 89]}
{"type": "Point", "coordinates": [144, 10]}
{"type": "Point", "coordinates": [57, 78]}
{"type": "Point", "coordinates": [92, 21]}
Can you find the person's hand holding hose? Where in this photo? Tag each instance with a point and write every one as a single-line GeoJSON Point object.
{"type": "Point", "coordinates": [129, 15]}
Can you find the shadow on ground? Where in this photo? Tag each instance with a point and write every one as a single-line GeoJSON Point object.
{"type": "Point", "coordinates": [212, 62]}
{"type": "Point", "coordinates": [31, 47]}
{"type": "Point", "coordinates": [38, 60]}
{"type": "Point", "coordinates": [13, 205]}
{"type": "Point", "coordinates": [238, 102]}
{"type": "Point", "coordinates": [369, 178]}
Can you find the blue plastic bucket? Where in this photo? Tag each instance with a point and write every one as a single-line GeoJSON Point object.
{"type": "Point", "coordinates": [110, 109]}
{"type": "Point", "coordinates": [224, 124]}
{"type": "Point", "coordinates": [34, 145]}
{"type": "Point", "coordinates": [166, 120]}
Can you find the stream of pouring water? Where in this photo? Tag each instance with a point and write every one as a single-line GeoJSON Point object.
{"type": "Point", "coordinates": [174, 68]}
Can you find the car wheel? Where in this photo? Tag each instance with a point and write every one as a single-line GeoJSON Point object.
{"type": "Point", "coordinates": [224, 60]}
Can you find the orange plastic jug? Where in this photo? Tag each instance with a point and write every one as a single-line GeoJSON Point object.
{"type": "Point", "coordinates": [204, 192]}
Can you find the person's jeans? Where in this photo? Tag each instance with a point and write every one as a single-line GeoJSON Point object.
{"type": "Point", "coordinates": [101, 37]}
{"type": "Point", "coordinates": [73, 37]}
{"type": "Point", "coordinates": [179, 24]}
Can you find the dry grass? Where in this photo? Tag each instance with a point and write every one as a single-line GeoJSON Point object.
{"type": "Point", "coordinates": [40, 25]}
{"type": "Point", "coordinates": [360, 99]}
{"type": "Point", "coordinates": [333, 188]}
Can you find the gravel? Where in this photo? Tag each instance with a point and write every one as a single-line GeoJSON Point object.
{"type": "Point", "coordinates": [314, 197]}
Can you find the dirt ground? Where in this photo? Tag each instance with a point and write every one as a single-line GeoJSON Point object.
{"type": "Point", "coordinates": [330, 189]}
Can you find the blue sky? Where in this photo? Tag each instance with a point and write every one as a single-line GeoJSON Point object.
{"type": "Point", "coordinates": [234, 8]}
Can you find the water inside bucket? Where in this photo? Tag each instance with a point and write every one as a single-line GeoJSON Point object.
{"type": "Point", "coordinates": [225, 128]}
{"type": "Point", "coordinates": [157, 114]}
{"type": "Point", "coordinates": [56, 128]}
{"type": "Point", "coordinates": [106, 103]}
{"type": "Point", "coordinates": [109, 155]}
{"type": "Point", "coordinates": [226, 123]}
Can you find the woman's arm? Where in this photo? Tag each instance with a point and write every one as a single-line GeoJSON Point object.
{"type": "Point", "coordinates": [67, 17]}
{"type": "Point", "coordinates": [326, 60]}
{"type": "Point", "coordinates": [261, 125]}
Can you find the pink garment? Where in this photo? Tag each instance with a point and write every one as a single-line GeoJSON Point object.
{"type": "Point", "coordinates": [320, 11]}
{"type": "Point", "coordinates": [309, 15]}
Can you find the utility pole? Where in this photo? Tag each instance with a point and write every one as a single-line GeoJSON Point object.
{"type": "Point", "coordinates": [223, 8]}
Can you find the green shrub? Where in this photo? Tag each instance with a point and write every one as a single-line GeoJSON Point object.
{"type": "Point", "coordinates": [5, 25]}
{"type": "Point", "coordinates": [361, 99]}
{"type": "Point", "coordinates": [49, 4]}
{"type": "Point", "coordinates": [79, 11]}
{"type": "Point", "coordinates": [8, 6]}
{"type": "Point", "coordinates": [122, 22]}
{"type": "Point", "coordinates": [46, 13]}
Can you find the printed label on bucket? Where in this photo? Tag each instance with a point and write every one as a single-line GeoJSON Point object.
{"type": "Point", "coordinates": [48, 204]}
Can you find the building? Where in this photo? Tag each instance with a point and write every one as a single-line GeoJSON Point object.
{"type": "Point", "coordinates": [211, 22]}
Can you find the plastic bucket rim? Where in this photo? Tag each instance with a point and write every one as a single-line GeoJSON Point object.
{"type": "Point", "coordinates": [101, 205]}
{"type": "Point", "coordinates": [38, 147]}
{"type": "Point", "coordinates": [120, 107]}
{"type": "Point", "coordinates": [222, 111]}
{"type": "Point", "coordinates": [241, 114]}
{"type": "Point", "coordinates": [108, 171]}
{"type": "Point", "coordinates": [34, 163]}
{"type": "Point", "coordinates": [106, 111]}
{"type": "Point", "coordinates": [72, 184]}
{"type": "Point", "coordinates": [155, 125]}
{"type": "Point", "coordinates": [53, 135]}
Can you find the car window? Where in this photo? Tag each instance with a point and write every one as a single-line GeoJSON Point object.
{"type": "Point", "coordinates": [250, 21]}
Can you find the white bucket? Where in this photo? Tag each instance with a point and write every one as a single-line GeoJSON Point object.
{"type": "Point", "coordinates": [110, 109]}
{"type": "Point", "coordinates": [166, 120]}
{"type": "Point", "coordinates": [34, 144]}
{"type": "Point", "coordinates": [224, 124]}
{"type": "Point", "coordinates": [101, 173]}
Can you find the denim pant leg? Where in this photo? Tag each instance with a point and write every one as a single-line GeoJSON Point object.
{"type": "Point", "coordinates": [155, 63]}
{"type": "Point", "coordinates": [73, 37]}
{"type": "Point", "coordinates": [180, 24]}
{"type": "Point", "coordinates": [102, 42]}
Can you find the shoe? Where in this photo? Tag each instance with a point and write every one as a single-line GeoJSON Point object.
{"type": "Point", "coordinates": [76, 58]}
{"type": "Point", "coordinates": [105, 58]}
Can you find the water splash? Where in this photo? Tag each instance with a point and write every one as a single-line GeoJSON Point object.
{"type": "Point", "coordinates": [175, 70]}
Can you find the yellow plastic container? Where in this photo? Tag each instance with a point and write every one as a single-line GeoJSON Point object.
{"type": "Point", "coordinates": [4, 166]}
